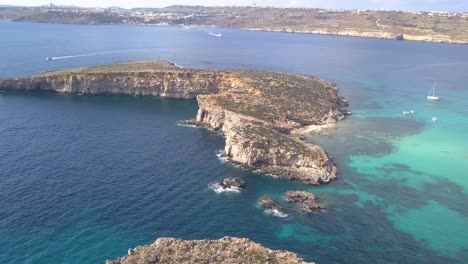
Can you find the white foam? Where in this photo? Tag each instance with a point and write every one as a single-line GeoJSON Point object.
{"type": "Point", "coordinates": [276, 213]}
{"type": "Point", "coordinates": [187, 125]}
{"type": "Point", "coordinates": [221, 156]}
{"type": "Point", "coordinates": [224, 159]}
{"type": "Point", "coordinates": [216, 187]}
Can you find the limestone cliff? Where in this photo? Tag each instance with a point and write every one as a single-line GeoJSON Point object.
{"type": "Point", "coordinates": [224, 250]}
{"type": "Point", "coordinates": [254, 110]}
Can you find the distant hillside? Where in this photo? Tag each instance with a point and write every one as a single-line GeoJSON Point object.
{"type": "Point", "coordinates": [423, 26]}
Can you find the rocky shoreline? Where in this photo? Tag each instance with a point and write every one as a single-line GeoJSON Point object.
{"type": "Point", "coordinates": [224, 250]}
{"type": "Point", "coordinates": [379, 34]}
{"type": "Point", "coordinates": [256, 111]}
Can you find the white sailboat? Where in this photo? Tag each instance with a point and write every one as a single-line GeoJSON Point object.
{"type": "Point", "coordinates": [431, 96]}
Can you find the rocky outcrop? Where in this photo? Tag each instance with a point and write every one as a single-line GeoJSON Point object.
{"type": "Point", "coordinates": [256, 111]}
{"type": "Point", "coordinates": [224, 250]}
{"type": "Point", "coordinates": [232, 182]}
{"type": "Point", "coordinates": [305, 200]}
{"type": "Point", "coordinates": [271, 206]}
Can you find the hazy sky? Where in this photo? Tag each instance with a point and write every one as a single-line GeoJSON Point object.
{"type": "Point", "coordinates": [442, 5]}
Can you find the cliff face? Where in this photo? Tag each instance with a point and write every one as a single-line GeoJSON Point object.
{"type": "Point", "coordinates": [254, 110]}
{"type": "Point", "coordinates": [224, 250]}
{"type": "Point", "coordinates": [257, 145]}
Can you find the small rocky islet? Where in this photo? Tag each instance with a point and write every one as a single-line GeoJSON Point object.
{"type": "Point", "coordinates": [306, 201]}
{"type": "Point", "coordinates": [271, 206]}
{"type": "Point", "coordinates": [232, 182]}
{"type": "Point", "coordinates": [259, 114]}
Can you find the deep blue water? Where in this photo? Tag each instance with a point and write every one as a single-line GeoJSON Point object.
{"type": "Point", "coordinates": [84, 178]}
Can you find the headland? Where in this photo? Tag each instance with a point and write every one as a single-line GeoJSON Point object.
{"type": "Point", "coordinates": [256, 111]}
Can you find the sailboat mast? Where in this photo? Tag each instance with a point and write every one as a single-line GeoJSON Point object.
{"type": "Point", "coordinates": [432, 91]}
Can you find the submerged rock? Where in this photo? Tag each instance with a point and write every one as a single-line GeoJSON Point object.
{"type": "Point", "coordinates": [232, 182]}
{"type": "Point", "coordinates": [306, 200]}
{"type": "Point", "coordinates": [224, 250]}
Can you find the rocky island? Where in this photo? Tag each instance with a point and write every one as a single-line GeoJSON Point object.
{"type": "Point", "coordinates": [271, 206]}
{"type": "Point", "coordinates": [224, 250]}
{"type": "Point", "coordinates": [306, 201]}
{"type": "Point", "coordinates": [256, 111]}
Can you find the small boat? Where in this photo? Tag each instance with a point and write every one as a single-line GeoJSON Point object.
{"type": "Point", "coordinates": [48, 58]}
{"type": "Point", "coordinates": [434, 119]}
{"type": "Point", "coordinates": [431, 96]}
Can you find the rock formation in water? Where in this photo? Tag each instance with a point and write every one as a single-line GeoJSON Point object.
{"type": "Point", "coordinates": [305, 200]}
{"type": "Point", "coordinates": [267, 203]}
{"type": "Point", "coordinates": [256, 111]}
{"type": "Point", "coordinates": [224, 250]}
{"type": "Point", "coordinates": [232, 182]}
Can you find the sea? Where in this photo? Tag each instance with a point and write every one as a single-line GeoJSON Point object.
{"type": "Point", "coordinates": [85, 178]}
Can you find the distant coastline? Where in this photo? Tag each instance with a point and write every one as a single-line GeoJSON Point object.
{"type": "Point", "coordinates": [442, 27]}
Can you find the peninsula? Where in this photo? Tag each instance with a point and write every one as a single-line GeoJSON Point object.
{"type": "Point", "coordinates": [256, 111]}
{"type": "Point", "coordinates": [399, 25]}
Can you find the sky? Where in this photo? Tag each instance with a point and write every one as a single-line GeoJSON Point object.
{"type": "Point", "coordinates": [427, 5]}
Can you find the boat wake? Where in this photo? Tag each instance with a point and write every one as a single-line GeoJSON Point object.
{"type": "Point", "coordinates": [209, 32]}
{"type": "Point", "coordinates": [218, 35]}
{"type": "Point", "coordinates": [94, 54]}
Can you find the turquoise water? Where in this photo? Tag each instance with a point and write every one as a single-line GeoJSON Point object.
{"type": "Point", "coordinates": [84, 178]}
